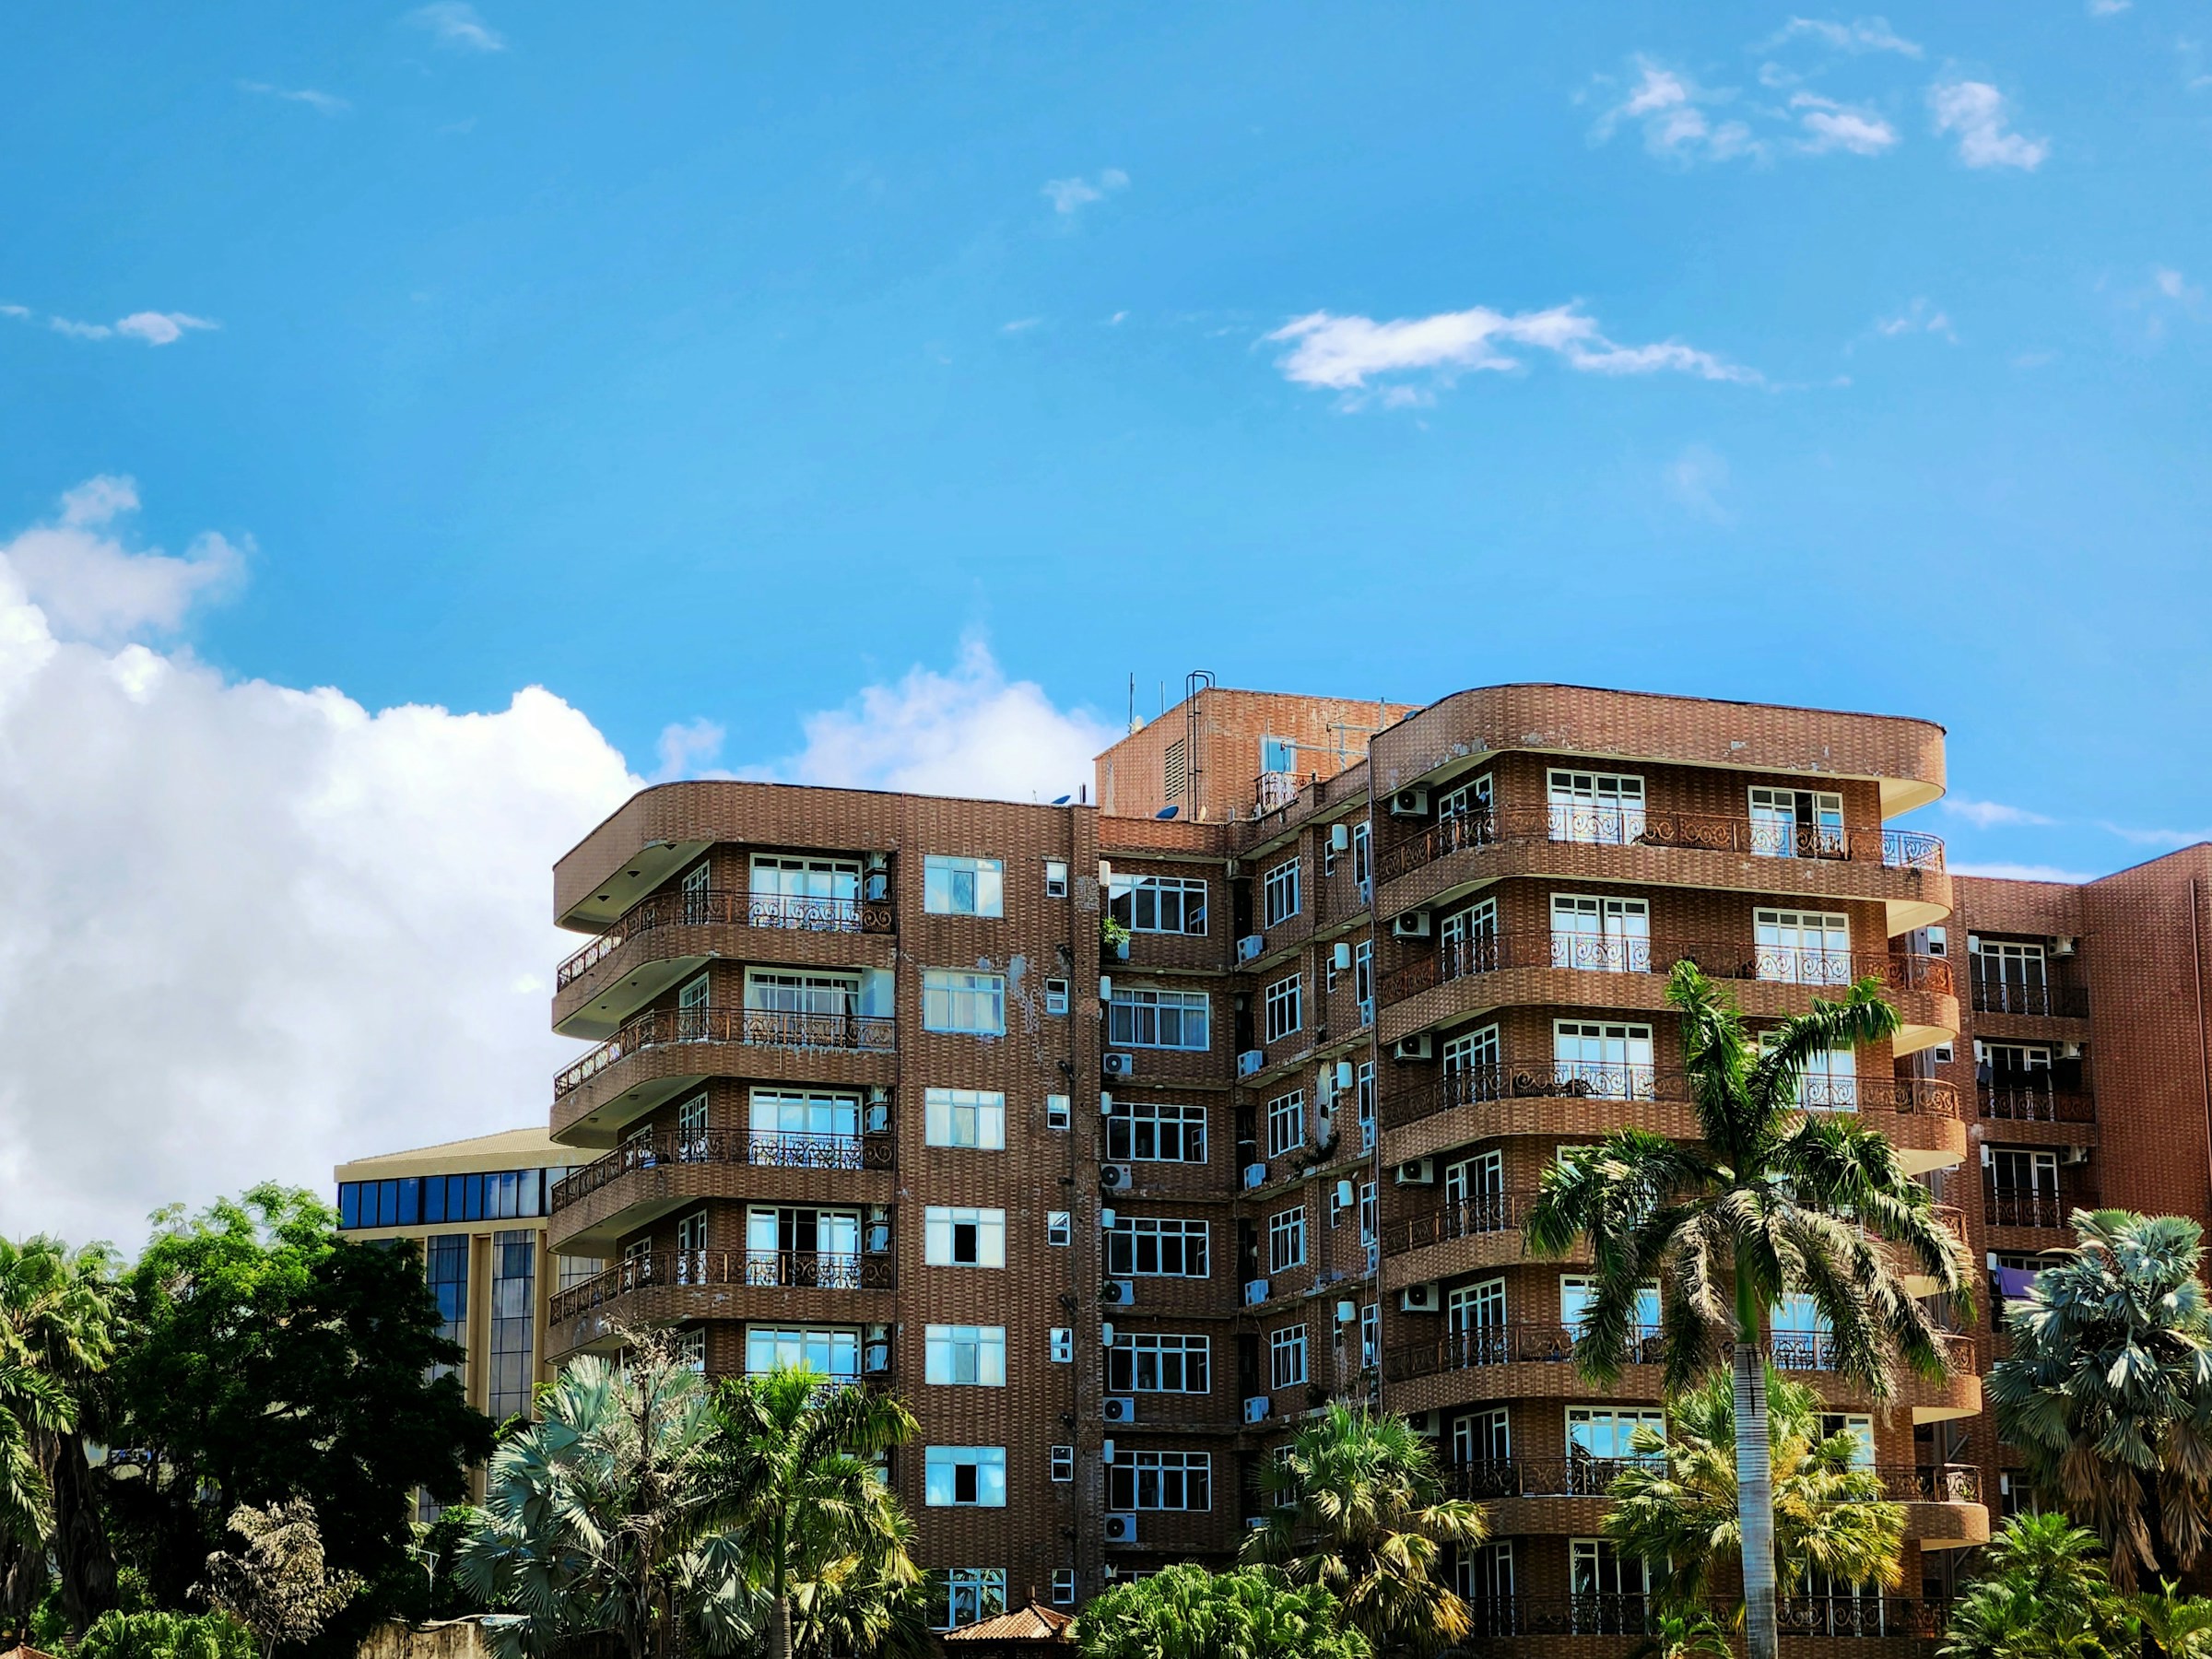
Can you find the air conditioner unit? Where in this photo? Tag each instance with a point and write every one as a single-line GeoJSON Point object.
{"type": "Point", "coordinates": [1105, 987]}
{"type": "Point", "coordinates": [1250, 1060]}
{"type": "Point", "coordinates": [1417, 1298]}
{"type": "Point", "coordinates": [1343, 1194]}
{"type": "Point", "coordinates": [877, 888]}
{"type": "Point", "coordinates": [2075, 1155]}
{"type": "Point", "coordinates": [1348, 1313]}
{"type": "Point", "coordinates": [2069, 1051]}
{"type": "Point", "coordinates": [1409, 924]}
{"type": "Point", "coordinates": [1255, 1522]}
{"type": "Point", "coordinates": [879, 1238]}
{"type": "Point", "coordinates": [1115, 1178]}
{"type": "Point", "coordinates": [875, 1356]}
{"type": "Point", "coordinates": [1250, 946]}
{"type": "Point", "coordinates": [1255, 1175]}
{"type": "Point", "coordinates": [879, 1120]}
{"type": "Point", "coordinates": [1344, 1073]}
{"type": "Point", "coordinates": [1340, 957]}
{"type": "Point", "coordinates": [1120, 1408]}
{"type": "Point", "coordinates": [1412, 1048]}
{"type": "Point", "coordinates": [1427, 1423]}
{"type": "Point", "coordinates": [1255, 1408]}
{"type": "Point", "coordinates": [1118, 1293]}
{"type": "Point", "coordinates": [1340, 838]}
{"type": "Point", "coordinates": [1409, 803]}
{"type": "Point", "coordinates": [1121, 1529]}
{"type": "Point", "coordinates": [2061, 946]}
{"type": "Point", "coordinates": [1256, 1292]}
{"type": "Point", "coordinates": [1421, 1171]}
{"type": "Point", "coordinates": [1118, 1065]}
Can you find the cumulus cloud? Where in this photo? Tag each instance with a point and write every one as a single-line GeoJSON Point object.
{"type": "Point", "coordinates": [1990, 815]}
{"type": "Point", "coordinates": [1861, 34]}
{"type": "Point", "coordinates": [454, 23]}
{"type": "Point", "coordinates": [254, 929]}
{"type": "Point", "coordinates": [323, 103]}
{"type": "Point", "coordinates": [1825, 125]}
{"type": "Point", "coordinates": [1671, 110]}
{"type": "Point", "coordinates": [1919, 317]}
{"type": "Point", "coordinates": [2157, 837]}
{"type": "Point", "coordinates": [1347, 354]}
{"type": "Point", "coordinates": [688, 749]}
{"type": "Point", "coordinates": [2021, 872]}
{"type": "Point", "coordinates": [152, 328]}
{"type": "Point", "coordinates": [1975, 112]}
{"type": "Point", "coordinates": [1069, 196]}
{"type": "Point", "coordinates": [90, 586]}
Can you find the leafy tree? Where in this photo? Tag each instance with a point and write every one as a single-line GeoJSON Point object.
{"type": "Point", "coordinates": [1679, 1512]}
{"type": "Point", "coordinates": [152, 1633]}
{"type": "Point", "coordinates": [279, 1587]}
{"type": "Point", "coordinates": [2178, 1626]}
{"type": "Point", "coordinates": [271, 1360]}
{"type": "Point", "coordinates": [1362, 1512]}
{"type": "Point", "coordinates": [2108, 1390]}
{"type": "Point", "coordinates": [2043, 1594]}
{"type": "Point", "coordinates": [1186, 1612]}
{"type": "Point", "coordinates": [1768, 1201]}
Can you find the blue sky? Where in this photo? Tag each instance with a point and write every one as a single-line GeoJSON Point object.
{"type": "Point", "coordinates": [705, 363]}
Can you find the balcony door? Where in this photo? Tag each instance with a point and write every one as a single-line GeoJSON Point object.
{"type": "Point", "coordinates": [1610, 1591]}
{"type": "Point", "coordinates": [1468, 939]}
{"type": "Point", "coordinates": [1797, 823]}
{"type": "Point", "coordinates": [1803, 947]}
{"type": "Point", "coordinates": [1606, 1059]}
{"type": "Point", "coordinates": [2011, 977]}
{"type": "Point", "coordinates": [692, 1016]}
{"type": "Point", "coordinates": [822, 893]}
{"type": "Point", "coordinates": [1481, 1437]}
{"type": "Point", "coordinates": [811, 1128]}
{"type": "Point", "coordinates": [1576, 1294]}
{"type": "Point", "coordinates": [814, 1248]}
{"type": "Point", "coordinates": [1599, 934]}
{"type": "Point", "coordinates": [1599, 1439]}
{"type": "Point", "coordinates": [1801, 1339]}
{"type": "Point", "coordinates": [804, 999]}
{"type": "Point", "coordinates": [1474, 1192]}
{"type": "Point", "coordinates": [1605, 809]}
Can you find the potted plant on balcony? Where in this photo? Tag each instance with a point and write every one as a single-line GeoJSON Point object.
{"type": "Point", "coordinates": [1113, 936]}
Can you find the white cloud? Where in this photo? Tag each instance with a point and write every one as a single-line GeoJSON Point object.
{"type": "Point", "coordinates": [455, 23]}
{"type": "Point", "coordinates": [1020, 326]}
{"type": "Point", "coordinates": [688, 749]}
{"type": "Point", "coordinates": [254, 930]}
{"type": "Point", "coordinates": [1975, 111]}
{"type": "Point", "coordinates": [968, 731]}
{"type": "Point", "coordinates": [1861, 34]}
{"type": "Point", "coordinates": [2158, 838]}
{"type": "Point", "coordinates": [1344, 353]}
{"type": "Point", "coordinates": [1695, 479]}
{"type": "Point", "coordinates": [323, 103]}
{"type": "Point", "coordinates": [1920, 317]}
{"type": "Point", "coordinates": [1988, 814]}
{"type": "Point", "coordinates": [1068, 195]}
{"type": "Point", "coordinates": [1671, 108]}
{"type": "Point", "coordinates": [89, 585]}
{"type": "Point", "coordinates": [1828, 125]}
{"type": "Point", "coordinates": [2022, 872]}
{"type": "Point", "coordinates": [153, 328]}
{"type": "Point", "coordinates": [2108, 8]}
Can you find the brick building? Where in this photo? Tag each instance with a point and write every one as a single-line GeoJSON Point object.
{"type": "Point", "coordinates": [870, 1091]}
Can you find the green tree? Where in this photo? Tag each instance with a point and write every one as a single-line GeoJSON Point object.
{"type": "Point", "coordinates": [1768, 1201]}
{"type": "Point", "coordinates": [1186, 1612]}
{"type": "Point", "coordinates": [1678, 1509]}
{"type": "Point", "coordinates": [153, 1635]}
{"type": "Point", "coordinates": [2043, 1594]}
{"type": "Point", "coordinates": [2108, 1389]}
{"type": "Point", "coordinates": [2179, 1625]}
{"type": "Point", "coordinates": [271, 1360]}
{"type": "Point", "coordinates": [1360, 1509]}
{"type": "Point", "coordinates": [279, 1585]}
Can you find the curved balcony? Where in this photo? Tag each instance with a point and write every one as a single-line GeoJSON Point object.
{"type": "Point", "coordinates": [1537, 1624]}
{"type": "Point", "coordinates": [664, 1286]}
{"type": "Point", "coordinates": [648, 1176]}
{"type": "Point", "coordinates": [659, 1053]}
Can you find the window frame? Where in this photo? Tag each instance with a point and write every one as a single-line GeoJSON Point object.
{"type": "Point", "coordinates": [942, 891]}
{"type": "Point", "coordinates": [1286, 1229]}
{"type": "Point", "coordinates": [963, 1347]}
{"type": "Point", "coordinates": [985, 1115]}
{"type": "Point", "coordinates": [1282, 893]}
{"type": "Point", "coordinates": [940, 1235]}
{"type": "Point", "coordinates": [1125, 1250]}
{"type": "Point", "coordinates": [1287, 1356]}
{"type": "Point", "coordinates": [978, 995]}
{"type": "Point", "coordinates": [1284, 1007]}
{"type": "Point", "coordinates": [1126, 1118]}
{"type": "Point", "coordinates": [1128, 1003]}
{"type": "Point", "coordinates": [1286, 1116]}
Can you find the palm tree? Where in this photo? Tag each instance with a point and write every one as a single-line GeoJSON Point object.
{"type": "Point", "coordinates": [1361, 1511]}
{"type": "Point", "coordinates": [2043, 1594]}
{"type": "Point", "coordinates": [1675, 1505]}
{"type": "Point", "coordinates": [800, 1463]}
{"type": "Point", "coordinates": [2108, 1390]}
{"type": "Point", "coordinates": [1769, 1202]}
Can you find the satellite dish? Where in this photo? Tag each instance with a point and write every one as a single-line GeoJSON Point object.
{"type": "Point", "coordinates": [1062, 800]}
{"type": "Point", "coordinates": [1167, 812]}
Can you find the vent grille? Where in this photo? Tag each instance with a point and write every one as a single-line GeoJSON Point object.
{"type": "Point", "coordinates": [1178, 769]}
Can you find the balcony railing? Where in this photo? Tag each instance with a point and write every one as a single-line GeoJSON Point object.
{"type": "Point", "coordinates": [1470, 1217]}
{"type": "Point", "coordinates": [1619, 1614]}
{"type": "Point", "coordinates": [760, 1269]}
{"type": "Point", "coordinates": [1579, 1475]}
{"type": "Point", "coordinates": [1516, 1079]}
{"type": "Point", "coordinates": [2009, 1208]}
{"type": "Point", "coordinates": [1728, 959]}
{"type": "Point", "coordinates": [760, 1027]}
{"type": "Point", "coordinates": [1995, 995]}
{"type": "Point", "coordinates": [2030, 1103]}
{"type": "Point", "coordinates": [1640, 827]}
{"type": "Point", "coordinates": [1273, 789]}
{"type": "Point", "coordinates": [1490, 1344]}
{"type": "Point", "coordinates": [722, 907]}
{"type": "Point", "coordinates": [664, 1147]}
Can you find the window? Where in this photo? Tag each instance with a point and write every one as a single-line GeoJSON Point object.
{"type": "Point", "coordinates": [1609, 1592]}
{"type": "Point", "coordinates": [1055, 878]}
{"type": "Point", "coordinates": [1470, 800]}
{"type": "Point", "coordinates": [1485, 1582]}
{"type": "Point", "coordinates": [964, 1475]}
{"type": "Point", "coordinates": [699, 881]}
{"type": "Point", "coordinates": [1611, 1062]}
{"type": "Point", "coordinates": [1472, 1051]}
{"type": "Point", "coordinates": [964, 1117]}
{"type": "Point", "coordinates": [1059, 1227]}
{"type": "Point", "coordinates": [2016, 1494]}
{"type": "Point", "coordinates": [1367, 1213]}
{"type": "Point", "coordinates": [445, 1267]}
{"type": "Point", "coordinates": [1063, 1586]}
{"type": "Point", "coordinates": [1277, 755]}
{"type": "Point", "coordinates": [1601, 935]}
{"type": "Point", "coordinates": [691, 1129]}
{"type": "Point", "coordinates": [1286, 1123]}
{"type": "Point", "coordinates": [514, 1318]}
{"type": "Point", "coordinates": [1801, 1337]}
{"type": "Point", "coordinates": [2018, 1171]}
{"type": "Point", "coordinates": [1830, 1081]}
{"type": "Point", "coordinates": [1055, 996]}
{"type": "Point", "coordinates": [1284, 1001]}
{"type": "Point", "coordinates": [1861, 1429]}
{"type": "Point", "coordinates": [1159, 1480]}
{"type": "Point", "coordinates": [1162, 1019]}
{"type": "Point", "coordinates": [1363, 980]}
{"type": "Point", "coordinates": [966, 1595]}
{"type": "Point", "coordinates": [1803, 947]}
{"type": "Point", "coordinates": [692, 1018]}
{"type": "Point", "coordinates": [1365, 1099]}
{"type": "Point", "coordinates": [1156, 1247]}
{"type": "Point", "coordinates": [1150, 1132]}
{"type": "Point", "coordinates": [1370, 1334]}
{"type": "Point", "coordinates": [1476, 1187]}
{"type": "Point", "coordinates": [955, 1000]}
{"type": "Point", "coordinates": [1476, 1307]}
{"type": "Point", "coordinates": [963, 1238]}
{"type": "Point", "coordinates": [1063, 1345]}
{"type": "Point", "coordinates": [1287, 1356]}
{"type": "Point", "coordinates": [817, 995]}
{"type": "Point", "coordinates": [690, 1348]}
{"type": "Point", "coordinates": [1577, 1292]}
{"type": "Point", "coordinates": [972, 1356]}
{"type": "Point", "coordinates": [1063, 1465]}
{"type": "Point", "coordinates": [1154, 1362]}
{"type": "Point", "coordinates": [811, 1127]}
{"type": "Point", "coordinates": [1480, 1437]}
{"type": "Point", "coordinates": [2010, 977]}
{"type": "Point", "coordinates": [1158, 904]}
{"type": "Point", "coordinates": [1363, 866]}
{"type": "Point", "coordinates": [1602, 807]}
{"type": "Point", "coordinates": [1286, 1238]}
{"type": "Point", "coordinates": [818, 894]}
{"type": "Point", "coordinates": [962, 886]}
{"type": "Point", "coordinates": [833, 1352]}
{"type": "Point", "coordinates": [1058, 1112]}
{"type": "Point", "coordinates": [691, 1249]}
{"type": "Point", "coordinates": [1600, 1434]}
{"type": "Point", "coordinates": [1467, 940]}
{"type": "Point", "coordinates": [1278, 893]}
{"type": "Point", "coordinates": [1798, 823]}
{"type": "Point", "coordinates": [817, 1249]}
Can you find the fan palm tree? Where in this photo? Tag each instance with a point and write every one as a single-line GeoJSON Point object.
{"type": "Point", "coordinates": [800, 1466]}
{"type": "Point", "coordinates": [1768, 1201]}
{"type": "Point", "coordinates": [2108, 1390]}
{"type": "Point", "coordinates": [1676, 1506]}
{"type": "Point", "coordinates": [1361, 1511]}
{"type": "Point", "coordinates": [2043, 1594]}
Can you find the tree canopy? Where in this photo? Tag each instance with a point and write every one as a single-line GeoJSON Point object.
{"type": "Point", "coordinates": [1186, 1612]}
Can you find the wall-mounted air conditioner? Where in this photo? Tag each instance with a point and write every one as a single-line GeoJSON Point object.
{"type": "Point", "coordinates": [1120, 1408]}
{"type": "Point", "coordinates": [1419, 1172]}
{"type": "Point", "coordinates": [1419, 1047]}
{"type": "Point", "coordinates": [1118, 1293]}
{"type": "Point", "coordinates": [1115, 1178]}
{"type": "Point", "coordinates": [1118, 1065]}
{"type": "Point", "coordinates": [1255, 1408]}
{"type": "Point", "coordinates": [1409, 803]}
{"type": "Point", "coordinates": [1250, 1060]}
{"type": "Point", "coordinates": [1410, 924]}
{"type": "Point", "coordinates": [1256, 1292]}
{"type": "Point", "coordinates": [1250, 946]}
{"type": "Point", "coordinates": [1121, 1529]}
{"type": "Point", "coordinates": [1418, 1298]}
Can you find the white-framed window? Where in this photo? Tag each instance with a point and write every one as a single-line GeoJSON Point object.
{"type": "Point", "coordinates": [1830, 1081]}
{"type": "Point", "coordinates": [1287, 1356]}
{"type": "Point", "coordinates": [1279, 893]}
{"type": "Point", "coordinates": [966, 1595]}
{"type": "Point", "coordinates": [1577, 1291]}
{"type": "Point", "coordinates": [1063, 1345]}
{"type": "Point", "coordinates": [1370, 1334]}
{"type": "Point", "coordinates": [822, 996]}
{"type": "Point", "coordinates": [1286, 1123]}
{"type": "Point", "coordinates": [1476, 1307]}
{"type": "Point", "coordinates": [1055, 878]}
{"type": "Point", "coordinates": [1472, 1180]}
{"type": "Point", "coordinates": [1368, 1212]}
{"type": "Point", "coordinates": [1157, 1247]}
{"type": "Point", "coordinates": [956, 999]}
{"type": "Point", "coordinates": [1802, 1339]}
{"type": "Point", "coordinates": [1803, 947]}
{"type": "Point", "coordinates": [1059, 1227]}
{"type": "Point", "coordinates": [796, 1244]}
{"type": "Point", "coordinates": [2011, 976]}
{"type": "Point", "coordinates": [1158, 1362]}
{"type": "Point", "coordinates": [1063, 1586]}
{"type": "Point", "coordinates": [1285, 1006]}
{"type": "Point", "coordinates": [1860, 1428]}
{"type": "Point", "coordinates": [1797, 823]}
{"type": "Point", "coordinates": [691, 1233]}
{"type": "Point", "coordinates": [973, 1118]}
{"type": "Point", "coordinates": [691, 1016]}
{"type": "Point", "coordinates": [691, 1129]}
{"type": "Point", "coordinates": [797, 891]}
{"type": "Point", "coordinates": [1607, 1432]}
{"type": "Point", "coordinates": [1484, 1577]}
{"type": "Point", "coordinates": [1364, 1098]}
{"type": "Point", "coordinates": [699, 881]}
{"type": "Point", "coordinates": [1476, 1051]}
{"type": "Point", "coordinates": [963, 887]}
{"type": "Point", "coordinates": [2024, 1171]}
{"type": "Point", "coordinates": [1158, 904]}
{"type": "Point", "coordinates": [1159, 1480]}
{"type": "Point", "coordinates": [1605, 809]}
{"type": "Point", "coordinates": [1364, 979]}
{"type": "Point", "coordinates": [1469, 800]}
{"type": "Point", "coordinates": [1063, 1465]}
{"type": "Point", "coordinates": [955, 1236]}
{"type": "Point", "coordinates": [831, 1351]}
{"type": "Point", "coordinates": [972, 1356]}
{"type": "Point", "coordinates": [1467, 939]}
{"type": "Point", "coordinates": [1055, 996]}
{"type": "Point", "coordinates": [1286, 1238]}
{"type": "Point", "coordinates": [1363, 864]}
{"type": "Point", "coordinates": [1606, 1590]}
{"type": "Point", "coordinates": [1600, 934]}
{"type": "Point", "coordinates": [1480, 1437]}
{"type": "Point", "coordinates": [1154, 1132]}
{"type": "Point", "coordinates": [964, 1476]}
{"type": "Point", "coordinates": [691, 1348]}
{"type": "Point", "coordinates": [1059, 1113]}
{"type": "Point", "coordinates": [1158, 1019]}
{"type": "Point", "coordinates": [794, 1124]}
{"type": "Point", "coordinates": [1606, 1058]}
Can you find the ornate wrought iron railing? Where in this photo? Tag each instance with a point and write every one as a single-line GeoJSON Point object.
{"type": "Point", "coordinates": [761, 1027]}
{"type": "Point", "coordinates": [726, 908]}
{"type": "Point", "coordinates": [1995, 994]}
{"type": "Point", "coordinates": [1524, 1343]}
{"type": "Point", "coordinates": [664, 1148]}
{"type": "Point", "coordinates": [761, 1269]}
{"type": "Point", "coordinates": [1469, 1217]}
{"type": "Point", "coordinates": [1517, 1079]}
{"type": "Point", "coordinates": [2008, 1207]}
{"type": "Point", "coordinates": [2032, 1103]}
{"type": "Point", "coordinates": [1729, 960]}
{"type": "Point", "coordinates": [1579, 1475]}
